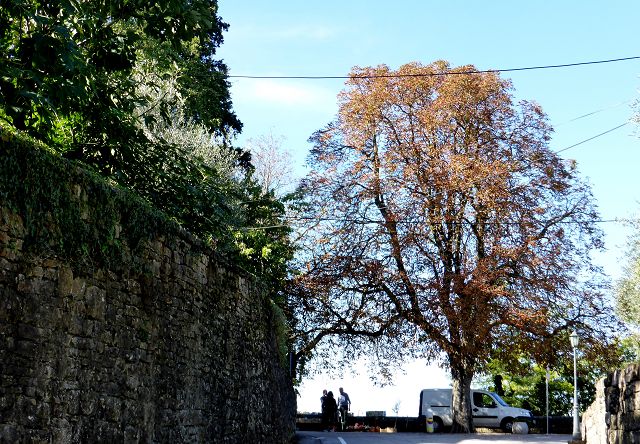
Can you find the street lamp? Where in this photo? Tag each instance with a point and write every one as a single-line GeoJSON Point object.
{"type": "Point", "coordinates": [546, 397]}
{"type": "Point", "coordinates": [573, 338]}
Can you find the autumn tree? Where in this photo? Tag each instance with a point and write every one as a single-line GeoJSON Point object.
{"type": "Point", "coordinates": [438, 220]}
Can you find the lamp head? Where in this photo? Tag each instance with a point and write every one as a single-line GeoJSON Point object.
{"type": "Point", "coordinates": [573, 338]}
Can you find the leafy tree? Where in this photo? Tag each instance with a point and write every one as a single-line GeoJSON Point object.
{"type": "Point", "coordinates": [524, 384]}
{"type": "Point", "coordinates": [132, 90]}
{"type": "Point", "coordinates": [528, 390]}
{"type": "Point", "coordinates": [66, 71]}
{"type": "Point", "coordinates": [441, 222]}
{"type": "Point", "coordinates": [264, 241]}
{"type": "Point", "coordinates": [628, 288]}
{"type": "Point", "coordinates": [166, 123]}
{"type": "Point", "coordinates": [72, 74]}
{"type": "Point", "coordinates": [628, 293]}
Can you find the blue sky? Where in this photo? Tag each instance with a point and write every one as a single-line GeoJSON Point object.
{"type": "Point", "coordinates": [328, 38]}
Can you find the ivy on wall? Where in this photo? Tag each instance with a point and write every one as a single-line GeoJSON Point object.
{"type": "Point", "coordinates": [70, 212]}
{"type": "Point", "coordinates": [76, 215]}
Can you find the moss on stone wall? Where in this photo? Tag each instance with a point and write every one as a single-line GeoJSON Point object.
{"type": "Point", "coordinates": [118, 326]}
{"type": "Point", "coordinates": [70, 212]}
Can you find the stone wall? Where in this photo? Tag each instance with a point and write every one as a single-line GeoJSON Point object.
{"type": "Point", "coordinates": [180, 348]}
{"type": "Point", "coordinates": [614, 416]}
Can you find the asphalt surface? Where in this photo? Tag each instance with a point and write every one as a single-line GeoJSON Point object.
{"type": "Point", "coordinates": [312, 437]}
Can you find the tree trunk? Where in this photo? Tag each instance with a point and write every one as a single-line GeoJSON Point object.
{"type": "Point", "coordinates": [462, 417]}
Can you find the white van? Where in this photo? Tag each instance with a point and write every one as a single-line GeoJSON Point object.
{"type": "Point", "coordinates": [488, 409]}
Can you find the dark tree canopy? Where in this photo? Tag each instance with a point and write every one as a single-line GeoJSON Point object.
{"type": "Point", "coordinates": [439, 217]}
{"type": "Point", "coordinates": [66, 70]}
{"type": "Point", "coordinates": [72, 75]}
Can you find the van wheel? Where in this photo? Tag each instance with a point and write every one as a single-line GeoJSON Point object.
{"type": "Point", "coordinates": [438, 426]}
{"type": "Point", "coordinates": [507, 424]}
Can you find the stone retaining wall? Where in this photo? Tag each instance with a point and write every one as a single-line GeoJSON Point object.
{"type": "Point", "coordinates": [614, 416]}
{"type": "Point", "coordinates": [181, 350]}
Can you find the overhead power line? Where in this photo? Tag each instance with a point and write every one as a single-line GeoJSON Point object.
{"type": "Point", "coordinates": [365, 221]}
{"type": "Point", "coordinates": [432, 74]}
{"type": "Point", "coordinates": [591, 138]}
{"type": "Point", "coordinates": [594, 112]}
{"type": "Point", "coordinates": [412, 222]}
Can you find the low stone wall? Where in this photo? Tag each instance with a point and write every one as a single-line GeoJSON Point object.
{"type": "Point", "coordinates": [172, 344]}
{"type": "Point", "coordinates": [614, 416]}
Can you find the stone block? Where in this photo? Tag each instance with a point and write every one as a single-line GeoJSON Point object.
{"type": "Point", "coordinates": [51, 262]}
{"type": "Point", "coordinates": [10, 433]}
{"type": "Point", "coordinates": [23, 285]}
{"type": "Point", "coordinates": [78, 288]}
{"type": "Point", "coordinates": [37, 272]}
{"type": "Point", "coordinates": [96, 300]}
{"type": "Point", "coordinates": [110, 408]}
{"type": "Point", "coordinates": [88, 403]}
{"type": "Point", "coordinates": [132, 382]}
{"type": "Point", "coordinates": [612, 399]}
{"type": "Point", "coordinates": [71, 400]}
{"type": "Point", "coordinates": [65, 281]}
{"type": "Point", "coordinates": [5, 239]}
{"type": "Point", "coordinates": [28, 332]}
{"type": "Point", "coordinates": [8, 253]}
{"type": "Point", "coordinates": [131, 435]}
{"type": "Point", "coordinates": [25, 348]}
{"type": "Point", "coordinates": [13, 224]}
{"type": "Point", "coordinates": [614, 378]}
{"type": "Point", "coordinates": [61, 431]}
{"type": "Point", "coordinates": [631, 373]}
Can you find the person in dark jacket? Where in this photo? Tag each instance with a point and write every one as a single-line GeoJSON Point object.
{"type": "Point", "coordinates": [323, 410]}
{"type": "Point", "coordinates": [331, 407]}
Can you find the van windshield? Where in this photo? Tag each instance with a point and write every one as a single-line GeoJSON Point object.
{"type": "Point", "coordinates": [499, 400]}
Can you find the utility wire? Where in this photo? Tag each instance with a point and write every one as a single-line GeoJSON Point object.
{"type": "Point", "coordinates": [592, 113]}
{"type": "Point", "coordinates": [432, 74]}
{"type": "Point", "coordinates": [412, 222]}
{"type": "Point", "coordinates": [591, 138]}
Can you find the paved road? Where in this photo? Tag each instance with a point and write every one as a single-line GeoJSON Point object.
{"type": "Point", "coordinates": [424, 438]}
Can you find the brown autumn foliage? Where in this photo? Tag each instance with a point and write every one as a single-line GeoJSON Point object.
{"type": "Point", "coordinates": [437, 210]}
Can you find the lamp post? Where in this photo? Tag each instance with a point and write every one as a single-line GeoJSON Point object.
{"type": "Point", "coordinates": [546, 397]}
{"type": "Point", "coordinates": [573, 338]}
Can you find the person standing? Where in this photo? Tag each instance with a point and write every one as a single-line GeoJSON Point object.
{"type": "Point", "coordinates": [331, 407]}
{"type": "Point", "coordinates": [344, 405]}
{"type": "Point", "coordinates": [323, 410]}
